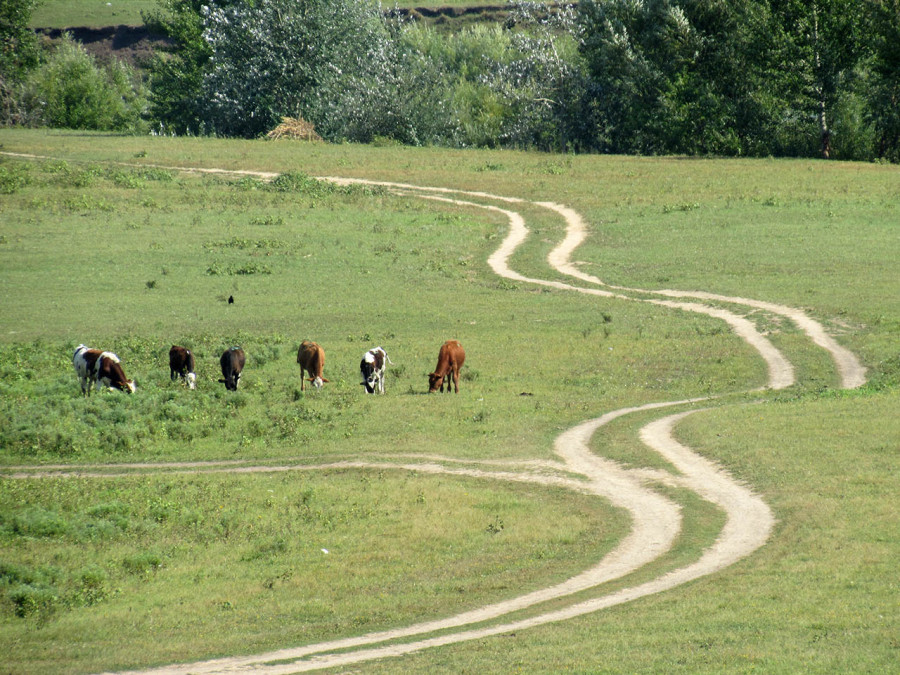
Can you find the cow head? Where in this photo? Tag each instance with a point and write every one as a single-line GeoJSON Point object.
{"type": "Point", "coordinates": [191, 379]}
{"type": "Point", "coordinates": [128, 386]}
{"type": "Point", "coordinates": [317, 381]}
{"type": "Point", "coordinates": [435, 382]}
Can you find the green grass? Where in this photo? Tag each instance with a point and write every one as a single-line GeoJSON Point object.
{"type": "Point", "coordinates": [261, 561]}
{"type": "Point", "coordinates": [99, 13]}
{"type": "Point", "coordinates": [821, 597]}
{"type": "Point", "coordinates": [134, 259]}
{"type": "Point", "coordinates": [90, 13]}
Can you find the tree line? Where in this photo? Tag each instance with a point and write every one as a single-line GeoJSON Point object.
{"type": "Point", "coordinates": [803, 78]}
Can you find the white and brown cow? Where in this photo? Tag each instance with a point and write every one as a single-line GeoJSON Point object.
{"type": "Point", "coordinates": [311, 358]}
{"type": "Point", "coordinates": [181, 364]}
{"type": "Point", "coordinates": [372, 369]}
{"type": "Point", "coordinates": [101, 369]}
{"type": "Point", "coordinates": [232, 362]}
{"type": "Point", "coordinates": [450, 359]}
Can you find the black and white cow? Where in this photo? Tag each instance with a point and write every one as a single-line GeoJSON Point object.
{"type": "Point", "coordinates": [181, 364]}
{"type": "Point", "coordinates": [232, 362]}
{"type": "Point", "coordinates": [372, 369]}
{"type": "Point", "coordinates": [102, 369]}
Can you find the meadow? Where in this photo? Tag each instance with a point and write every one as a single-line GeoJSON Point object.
{"type": "Point", "coordinates": [106, 243]}
{"type": "Point", "coordinates": [101, 13]}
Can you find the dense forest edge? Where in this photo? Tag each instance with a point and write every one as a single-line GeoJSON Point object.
{"type": "Point", "coordinates": [657, 77]}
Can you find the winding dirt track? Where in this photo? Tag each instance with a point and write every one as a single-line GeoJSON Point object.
{"type": "Point", "coordinates": [656, 520]}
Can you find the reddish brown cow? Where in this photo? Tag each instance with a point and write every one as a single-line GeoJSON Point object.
{"type": "Point", "coordinates": [450, 359]}
{"type": "Point", "coordinates": [311, 358]}
{"type": "Point", "coordinates": [101, 369]}
{"type": "Point", "coordinates": [181, 364]}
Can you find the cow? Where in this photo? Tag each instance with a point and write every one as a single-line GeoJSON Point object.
{"type": "Point", "coordinates": [232, 362]}
{"type": "Point", "coordinates": [101, 369]}
{"type": "Point", "coordinates": [450, 359]}
{"type": "Point", "coordinates": [372, 369]}
{"type": "Point", "coordinates": [311, 358]}
{"type": "Point", "coordinates": [181, 364]}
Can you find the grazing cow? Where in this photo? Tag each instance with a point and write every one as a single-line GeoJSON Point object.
{"type": "Point", "coordinates": [181, 364]}
{"type": "Point", "coordinates": [232, 362]}
{"type": "Point", "coordinates": [372, 369]}
{"type": "Point", "coordinates": [311, 358]}
{"type": "Point", "coordinates": [101, 369]}
{"type": "Point", "coordinates": [450, 359]}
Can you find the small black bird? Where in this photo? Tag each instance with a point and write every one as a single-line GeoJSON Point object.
{"type": "Point", "coordinates": [230, 299]}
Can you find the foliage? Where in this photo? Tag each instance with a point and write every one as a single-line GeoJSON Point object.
{"type": "Point", "coordinates": [71, 91]}
{"type": "Point", "coordinates": [278, 58]}
{"type": "Point", "coordinates": [653, 77]}
{"type": "Point", "coordinates": [176, 73]}
{"type": "Point", "coordinates": [19, 54]}
{"type": "Point", "coordinates": [884, 92]}
{"type": "Point", "coordinates": [813, 68]}
{"type": "Point", "coordinates": [674, 77]}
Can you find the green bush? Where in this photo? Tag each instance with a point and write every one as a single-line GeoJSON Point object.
{"type": "Point", "coordinates": [71, 91]}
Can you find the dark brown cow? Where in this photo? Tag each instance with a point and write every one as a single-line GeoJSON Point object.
{"type": "Point", "coordinates": [232, 362]}
{"type": "Point", "coordinates": [311, 358]}
{"type": "Point", "coordinates": [181, 364]}
{"type": "Point", "coordinates": [450, 360]}
{"type": "Point", "coordinates": [101, 369]}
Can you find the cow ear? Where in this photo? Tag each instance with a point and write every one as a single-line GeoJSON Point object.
{"type": "Point", "coordinates": [324, 380]}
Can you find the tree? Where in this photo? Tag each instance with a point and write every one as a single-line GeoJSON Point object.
{"type": "Point", "coordinates": [884, 93]}
{"type": "Point", "coordinates": [19, 54]}
{"type": "Point", "coordinates": [71, 91]}
{"type": "Point", "coordinates": [176, 72]}
{"type": "Point", "coordinates": [278, 58]}
{"type": "Point", "coordinates": [676, 75]}
{"type": "Point", "coordinates": [818, 44]}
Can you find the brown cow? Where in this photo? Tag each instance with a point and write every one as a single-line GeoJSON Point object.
{"type": "Point", "coordinates": [181, 364]}
{"type": "Point", "coordinates": [232, 362]}
{"type": "Point", "coordinates": [311, 358]}
{"type": "Point", "coordinates": [100, 368]}
{"type": "Point", "coordinates": [450, 360]}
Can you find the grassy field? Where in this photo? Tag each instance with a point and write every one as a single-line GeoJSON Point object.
{"type": "Point", "coordinates": [100, 245]}
{"type": "Point", "coordinates": [99, 13]}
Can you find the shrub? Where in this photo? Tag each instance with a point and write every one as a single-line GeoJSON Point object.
{"type": "Point", "coordinates": [71, 91]}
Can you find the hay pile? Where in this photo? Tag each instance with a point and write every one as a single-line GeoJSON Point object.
{"type": "Point", "coordinates": [294, 128]}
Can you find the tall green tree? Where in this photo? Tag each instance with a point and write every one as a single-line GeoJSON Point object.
{"type": "Point", "coordinates": [675, 75]}
{"type": "Point", "coordinates": [280, 58]}
{"type": "Point", "coordinates": [176, 72]}
{"type": "Point", "coordinates": [19, 54]}
{"type": "Point", "coordinates": [818, 46]}
{"type": "Point", "coordinates": [884, 93]}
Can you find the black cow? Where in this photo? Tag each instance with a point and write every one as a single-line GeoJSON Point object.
{"type": "Point", "coordinates": [232, 362]}
{"type": "Point", "coordinates": [181, 364]}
